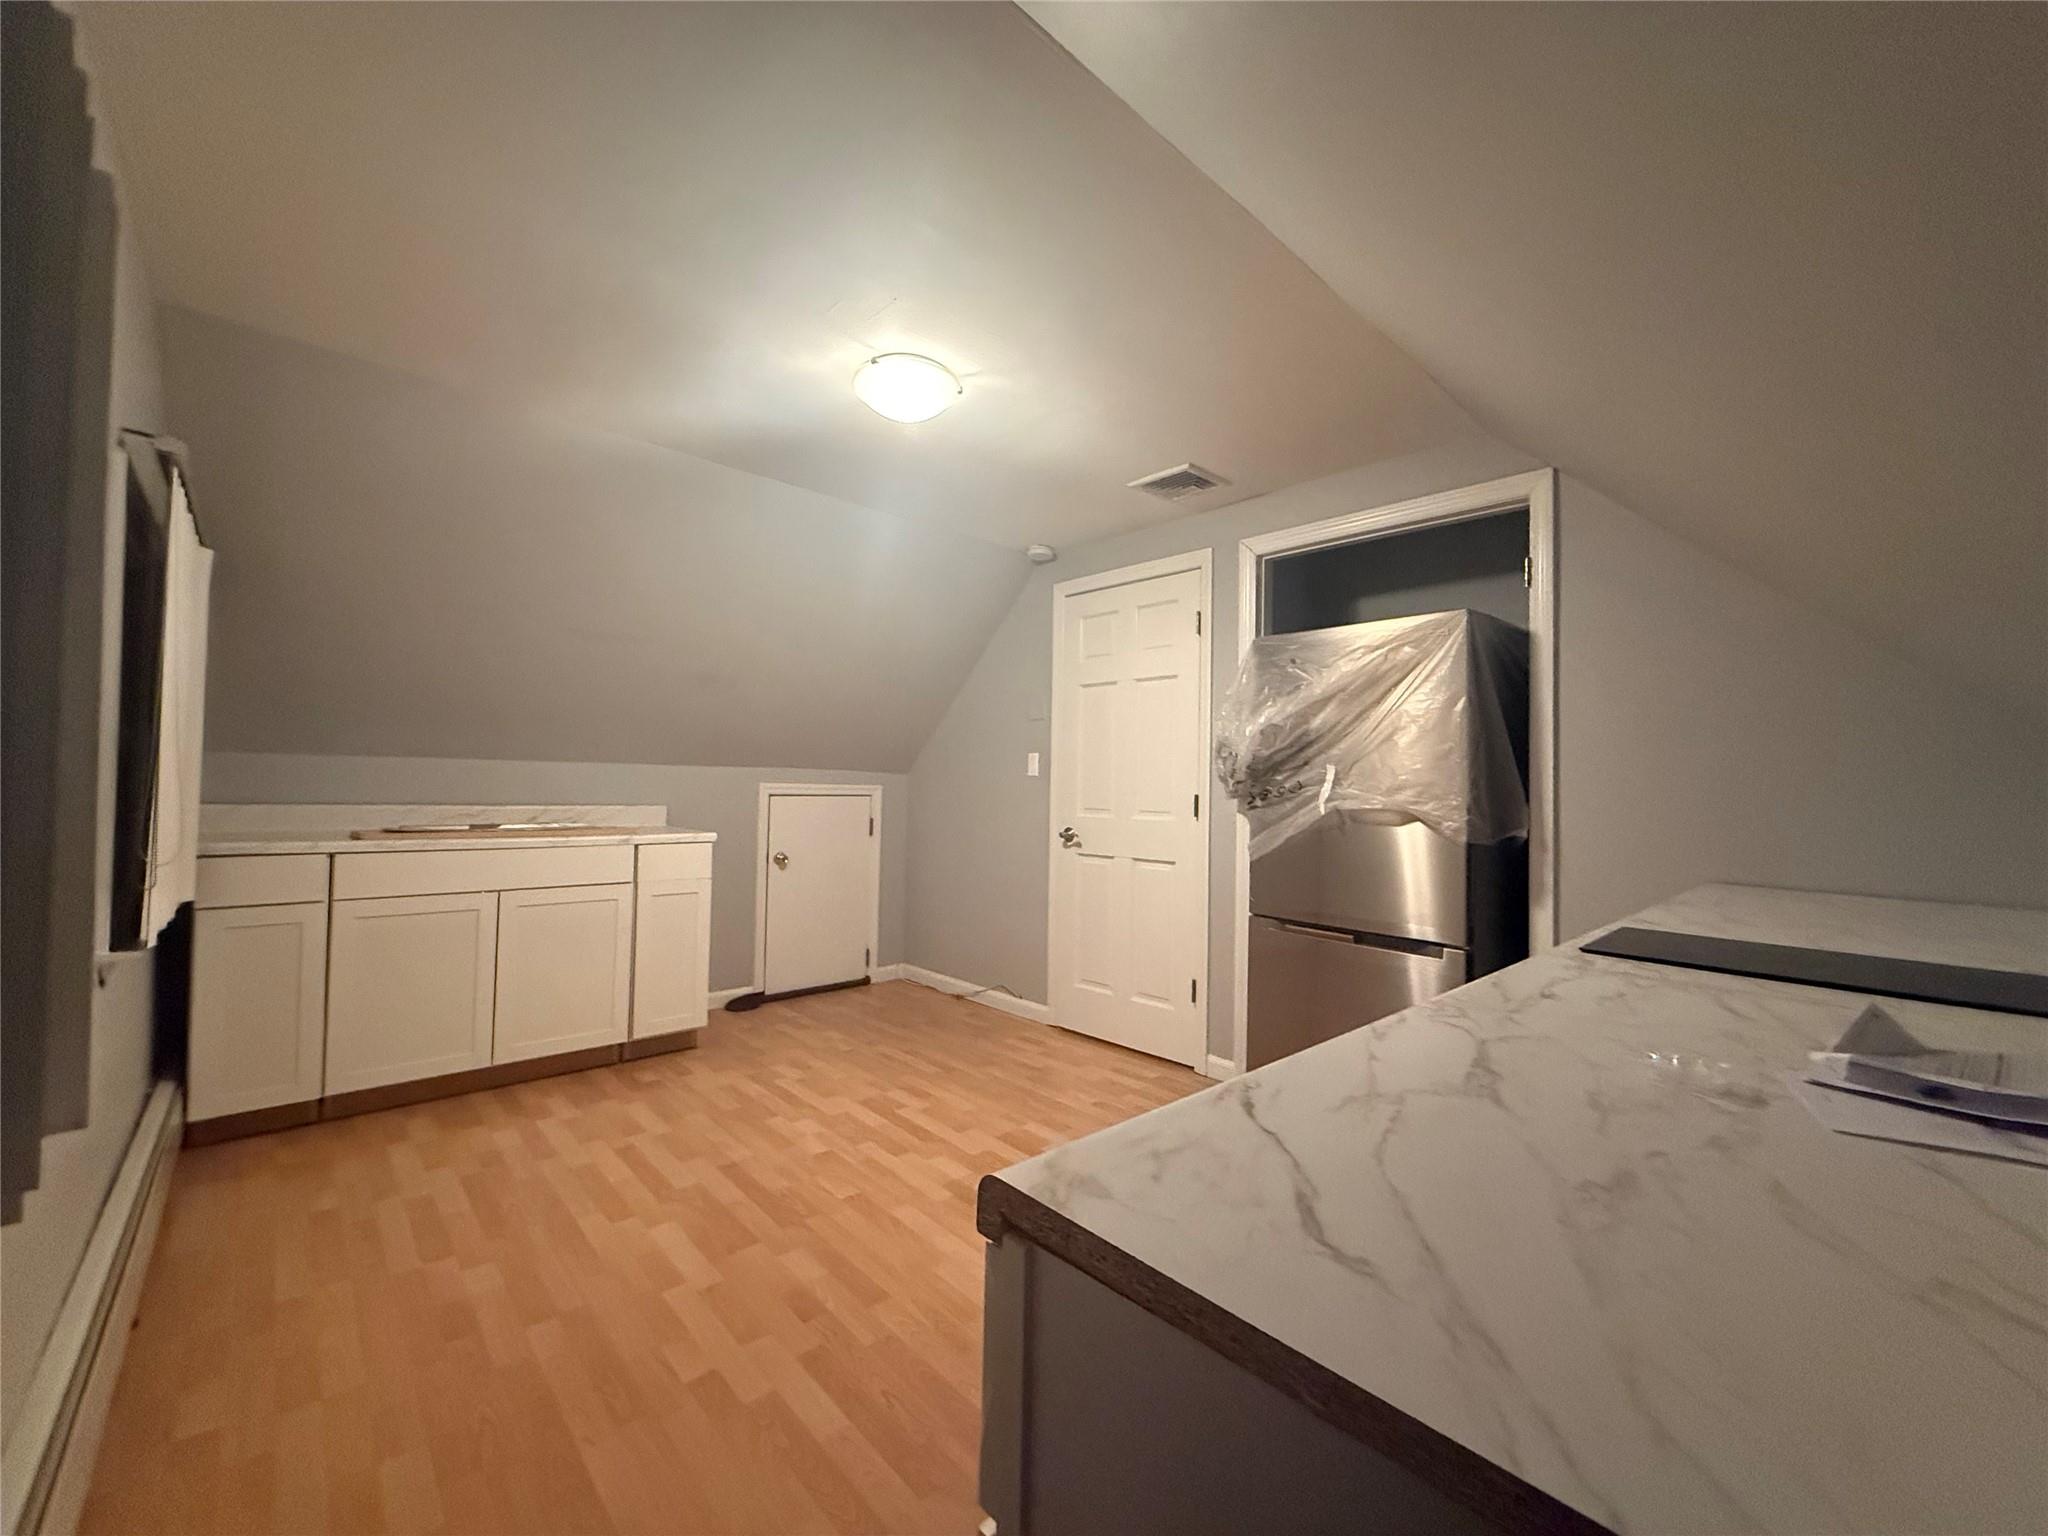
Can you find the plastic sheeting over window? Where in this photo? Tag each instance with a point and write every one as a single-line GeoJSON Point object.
{"type": "Point", "coordinates": [1417, 719]}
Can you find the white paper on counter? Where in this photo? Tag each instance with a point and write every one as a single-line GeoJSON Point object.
{"type": "Point", "coordinates": [1862, 1114]}
{"type": "Point", "coordinates": [1878, 1055]}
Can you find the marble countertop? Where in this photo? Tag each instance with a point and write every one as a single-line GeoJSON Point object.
{"type": "Point", "coordinates": [1570, 1218]}
{"type": "Point", "coordinates": [305, 841]}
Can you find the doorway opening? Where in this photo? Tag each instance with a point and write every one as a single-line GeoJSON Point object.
{"type": "Point", "coordinates": [1488, 552]}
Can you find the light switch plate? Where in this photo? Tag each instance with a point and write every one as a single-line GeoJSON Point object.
{"type": "Point", "coordinates": [1030, 765]}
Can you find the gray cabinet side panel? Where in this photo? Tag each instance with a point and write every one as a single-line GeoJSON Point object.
{"type": "Point", "coordinates": [1005, 1289]}
{"type": "Point", "coordinates": [1131, 1427]}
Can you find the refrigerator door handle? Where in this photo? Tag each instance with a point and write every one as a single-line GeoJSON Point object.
{"type": "Point", "coordinates": [1370, 940]}
{"type": "Point", "coordinates": [1307, 932]}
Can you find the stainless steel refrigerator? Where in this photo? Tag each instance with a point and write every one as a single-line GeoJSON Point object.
{"type": "Point", "coordinates": [1354, 919]}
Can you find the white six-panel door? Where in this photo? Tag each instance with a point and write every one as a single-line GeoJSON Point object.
{"type": "Point", "coordinates": [1130, 867]}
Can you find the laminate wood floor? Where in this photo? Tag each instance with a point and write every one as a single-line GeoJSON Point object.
{"type": "Point", "coordinates": [735, 1289]}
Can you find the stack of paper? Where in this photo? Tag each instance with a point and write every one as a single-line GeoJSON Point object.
{"type": "Point", "coordinates": [1881, 1081]}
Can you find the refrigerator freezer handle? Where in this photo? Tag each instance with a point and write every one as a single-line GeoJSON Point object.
{"type": "Point", "coordinates": [1370, 940]}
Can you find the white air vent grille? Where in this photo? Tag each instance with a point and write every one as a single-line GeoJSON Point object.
{"type": "Point", "coordinates": [1180, 482]}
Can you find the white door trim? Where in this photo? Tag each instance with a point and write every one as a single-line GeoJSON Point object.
{"type": "Point", "coordinates": [1537, 491]}
{"type": "Point", "coordinates": [1199, 561]}
{"type": "Point", "coordinates": [874, 796]}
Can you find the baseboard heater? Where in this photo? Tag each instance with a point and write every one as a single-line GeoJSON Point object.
{"type": "Point", "coordinates": [46, 1468]}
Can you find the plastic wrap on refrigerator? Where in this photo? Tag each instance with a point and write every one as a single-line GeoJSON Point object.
{"type": "Point", "coordinates": [1397, 720]}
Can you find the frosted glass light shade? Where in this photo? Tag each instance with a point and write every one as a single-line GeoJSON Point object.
{"type": "Point", "coordinates": [905, 387]}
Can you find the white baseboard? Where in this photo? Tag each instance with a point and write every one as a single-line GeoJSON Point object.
{"type": "Point", "coordinates": [1219, 1068]}
{"type": "Point", "coordinates": [50, 1455]}
{"type": "Point", "coordinates": [1022, 1008]}
{"type": "Point", "coordinates": [882, 973]}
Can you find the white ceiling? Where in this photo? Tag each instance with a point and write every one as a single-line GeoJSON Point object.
{"type": "Point", "coordinates": [688, 225]}
{"type": "Point", "coordinates": [1776, 277]}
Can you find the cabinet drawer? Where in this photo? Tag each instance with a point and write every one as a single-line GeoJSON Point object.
{"type": "Point", "coordinates": [675, 861]}
{"type": "Point", "coordinates": [447, 871]}
{"type": "Point", "coordinates": [261, 880]}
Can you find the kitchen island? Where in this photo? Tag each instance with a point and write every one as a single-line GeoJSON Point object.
{"type": "Point", "coordinates": [1558, 1250]}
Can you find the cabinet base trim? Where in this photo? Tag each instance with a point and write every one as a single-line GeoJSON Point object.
{"type": "Point", "coordinates": [250, 1122]}
{"type": "Point", "coordinates": [365, 1101]}
{"type": "Point", "coordinates": [656, 1045]}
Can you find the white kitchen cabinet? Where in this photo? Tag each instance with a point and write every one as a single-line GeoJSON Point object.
{"type": "Point", "coordinates": [259, 1007]}
{"type": "Point", "coordinates": [671, 955]}
{"type": "Point", "coordinates": [409, 988]}
{"type": "Point", "coordinates": [565, 960]}
{"type": "Point", "coordinates": [321, 972]}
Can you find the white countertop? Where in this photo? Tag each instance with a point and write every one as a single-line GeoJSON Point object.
{"type": "Point", "coordinates": [327, 828]}
{"type": "Point", "coordinates": [305, 841]}
{"type": "Point", "coordinates": [1571, 1217]}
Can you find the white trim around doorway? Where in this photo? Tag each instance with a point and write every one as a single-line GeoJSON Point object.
{"type": "Point", "coordinates": [873, 792]}
{"type": "Point", "coordinates": [1536, 491]}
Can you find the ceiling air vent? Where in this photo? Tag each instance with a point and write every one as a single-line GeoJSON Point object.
{"type": "Point", "coordinates": [1179, 483]}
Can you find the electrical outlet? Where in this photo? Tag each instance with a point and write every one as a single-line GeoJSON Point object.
{"type": "Point", "coordinates": [1030, 765]}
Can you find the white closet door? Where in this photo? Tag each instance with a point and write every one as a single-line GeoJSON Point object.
{"type": "Point", "coordinates": [409, 988]}
{"type": "Point", "coordinates": [565, 958]}
{"type": "Point", "coordinates": [822, 889]}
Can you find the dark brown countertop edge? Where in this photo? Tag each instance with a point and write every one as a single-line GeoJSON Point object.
{"type": "Point", "coordinates": [1489, 1490]}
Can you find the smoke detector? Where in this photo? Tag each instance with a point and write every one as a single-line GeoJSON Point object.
{"type": "Point", "coordinates": [1042, 554]}
{"type": "Point", "coordinates": [1179, 483]}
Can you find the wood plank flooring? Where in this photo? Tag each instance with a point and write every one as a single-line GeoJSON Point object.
{"type": "Point", "coordinates": [732, 1290]}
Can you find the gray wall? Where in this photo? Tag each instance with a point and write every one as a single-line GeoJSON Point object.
{"type": "Point", "coordinates": [978, 848]}
{"type": "Point", "coordinates": [1709, 729]}
{"type": "Point", "coordinates": [39, 1254]}
{"type": "Point", "coordinates": [1713, 729]}
{"type": "Point", "coordinates": [411, 572]}
{"type": "Point", "coordinates": [721, 800]}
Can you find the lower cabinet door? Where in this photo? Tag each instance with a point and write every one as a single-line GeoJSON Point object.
{"type": "Point", "coordinates": [565, 965]}
{"type": "Point", "coordinates": [671, 956]}
{"type": "Point", "coordinates": [409, 988]}
{"type": "Point", "coordinates": [259, 1007]}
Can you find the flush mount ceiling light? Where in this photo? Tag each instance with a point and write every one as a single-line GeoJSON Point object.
{"type": "Point", "coordinates": [905, 387]}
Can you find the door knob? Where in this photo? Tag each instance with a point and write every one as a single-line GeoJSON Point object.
{"type": "Point", "coordinates": [782, 861]}
{"type": "Point", "coordinates": [1069, 838]}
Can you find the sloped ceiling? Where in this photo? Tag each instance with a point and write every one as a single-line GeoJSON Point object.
{"type": "Point", "coordinates": [688, 224]}
{"type": "Point", "coordinates": [405, 570]}
{"type": "Point", "coordinates": [1773, 276]}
